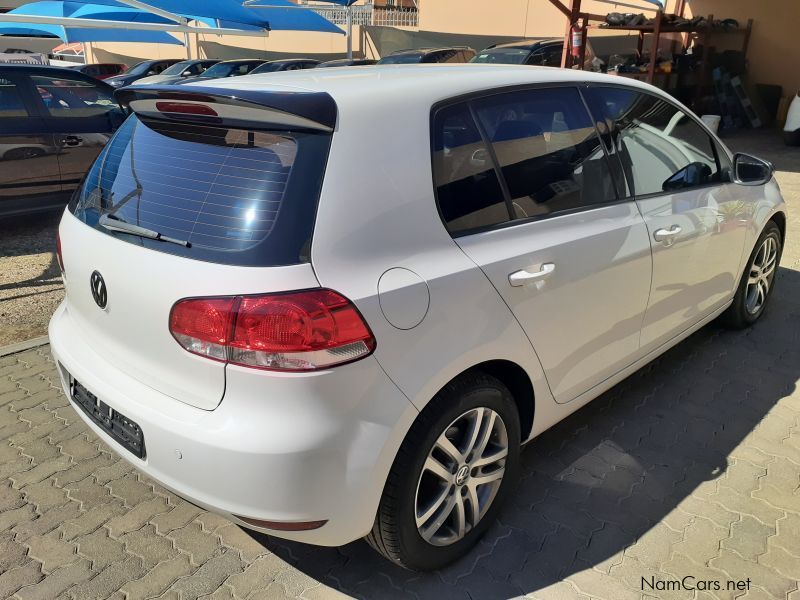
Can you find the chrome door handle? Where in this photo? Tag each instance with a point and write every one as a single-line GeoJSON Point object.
{"type": "Point", "coordinates": [521, 277]}
{"type": "Point", "coordinates": [667, 235]}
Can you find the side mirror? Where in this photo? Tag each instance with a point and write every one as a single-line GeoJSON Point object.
{"type": "Point", "coordinates": [186, 74]}
{"type": "Point", "coordinates": [151, 72]}
{"type": "Point", "coordinates": [749, 170]}
{"type": "Point", "coordinates": [692, 175]}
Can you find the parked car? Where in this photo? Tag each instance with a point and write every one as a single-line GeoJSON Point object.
{"type": "Point", "coordinates": [102, 70]}
{"type": "Point", "coordinates": [458, 54]}
{"type": "Point", "coordinates": [180, 70]}
{"type": "Point", "coordinates": [289, 64]}
{"type": "Point", "coordinates": [347, 62]}
{"type": "Point", "coordinates": [323, 361]}
{"type": "Point", "coordinates": [53, 123]}
{"type": "Point", "coordinates": [141, 70]}
{"type": "Point", "coordinates": [545, 53]}
{"type": "Point", "coordinates": [226, 68]}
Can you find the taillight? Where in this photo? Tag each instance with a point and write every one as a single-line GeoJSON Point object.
{"type": "Point", "coordinates": [186, 108]}
{"type": "Point", "coordinates": [297, 331]}
{"type": "Point", "coordinates": [59, 255]}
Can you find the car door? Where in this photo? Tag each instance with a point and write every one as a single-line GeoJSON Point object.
{"type": "Point", "coordinates": [29, 173]}
{"type": "Point", "coordinates": [524, 187]}
{"type": "Point", "coordinates": [83, 115]}
{"type": "Point", "coordinates": [696, 222]}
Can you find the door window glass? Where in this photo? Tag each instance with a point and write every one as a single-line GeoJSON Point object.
{"type": "Point", "coordinates": [662, 148]}
{"type": "Point", "coordinates": [467, 187]}
{"type": "Point", "coordinates": [548, 150]}
{"type": "Point", "coordinates": [74, 97]}
{"type": "Point", "coordinates": [11, 104]}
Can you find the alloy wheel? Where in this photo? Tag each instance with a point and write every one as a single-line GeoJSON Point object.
{"type": "Point", "coordinates": [461, 476]}
{"type": "Point", "coordinates": [762, 272]}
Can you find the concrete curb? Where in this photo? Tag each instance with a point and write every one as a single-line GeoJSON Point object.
{"type": "Point", "coordinates": [22, 346]}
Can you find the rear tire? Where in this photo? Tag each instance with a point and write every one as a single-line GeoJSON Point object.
{"type": "Point", "coordinates": [758, 280]}
{"type": "Point", "coordinates": [474, 417]}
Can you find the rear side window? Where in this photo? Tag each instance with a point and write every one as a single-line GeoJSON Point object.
{"type": "Point", "coordinates": [548, 151]}
{"type": "Point", "coordinates": [467, 187]}
{"type": "Point", "coordinates": [11, 103]}
{"type": "Point", "coordinates": [662, 149]}
{"type": "Point", "coordinates": [65, 97]}
{"type": "Point", "coordinates": [236, 196]}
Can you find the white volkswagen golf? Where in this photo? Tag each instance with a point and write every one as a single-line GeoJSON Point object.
{"type": "Point", "coordinates": [333, 304]}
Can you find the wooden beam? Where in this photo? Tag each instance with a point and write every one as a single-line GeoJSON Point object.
{"type": "Point", "coordinates": [651, 71]}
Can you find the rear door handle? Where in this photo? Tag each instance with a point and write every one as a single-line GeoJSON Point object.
{"type": "Point", "coordinates": [521, 277]}
{"type": "Point", "coordinates": [667, 235]}
{"type": "Point", "coordinates": [73, 140]}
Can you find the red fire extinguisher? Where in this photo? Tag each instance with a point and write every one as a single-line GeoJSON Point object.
{"type": "Point", "coordinates": [577, 40]}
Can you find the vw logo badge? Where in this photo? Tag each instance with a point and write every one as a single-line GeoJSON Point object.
{"type": "Point", "coordinates": [99, 292]}
{"type": "Point", "coordinates": [462, 474]}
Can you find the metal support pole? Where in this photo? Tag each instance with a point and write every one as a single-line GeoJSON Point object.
{"type": "Point", "coordinates": [186, 43]}
{"type": "Point", "coordinates": [350, 32]}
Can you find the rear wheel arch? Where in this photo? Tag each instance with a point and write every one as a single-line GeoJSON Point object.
{"type": "Point", "coordinates": [518, 382]}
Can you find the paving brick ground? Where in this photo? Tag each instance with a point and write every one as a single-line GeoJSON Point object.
{"type": "Point", "coordinates": [689, 468]}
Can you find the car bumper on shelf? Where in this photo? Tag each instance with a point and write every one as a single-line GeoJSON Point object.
{"type": "Point", "coordinates": [284, 448]}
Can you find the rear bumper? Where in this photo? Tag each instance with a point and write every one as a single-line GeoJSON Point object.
{"type": "Point", "coordinates": [280, 447]}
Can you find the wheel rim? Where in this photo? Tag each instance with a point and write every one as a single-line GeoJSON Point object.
{"type": "Point", "coordinates": [461, 476]}
{"type": "Point", "coordinates": [762, 272]}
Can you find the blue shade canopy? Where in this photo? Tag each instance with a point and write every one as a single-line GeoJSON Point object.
{"type": "Point", "coordinates": [72, 34]}
{"type": "Point", "coordinates": [223, 10]}
{"type": "Point", "coordinates": [292, 18]}
{"type": "Point", "coordinates": [274, 17]}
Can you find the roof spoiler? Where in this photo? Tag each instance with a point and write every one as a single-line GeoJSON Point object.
{"type": "Point", "coordinates": [252, 109]}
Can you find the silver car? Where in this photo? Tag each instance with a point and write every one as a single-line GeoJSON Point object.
{"type": "Point", "coordinates": [334, 304]}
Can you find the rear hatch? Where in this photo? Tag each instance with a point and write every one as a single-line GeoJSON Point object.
{"type": "Point", "coordinates": [230, 184]}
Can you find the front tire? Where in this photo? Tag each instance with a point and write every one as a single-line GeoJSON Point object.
{"type": "Point", "coordinates": [451, 475]}
{"type": "Point", "coordinates": [758, 280]}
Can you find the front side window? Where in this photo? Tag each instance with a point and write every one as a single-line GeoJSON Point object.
{"type": "Point", "coordinates": [65, 97]}
{"type": "Point", "coordinates": [547, 149]}
{"type": "Point", "coordinates": [467, 187]}
{"type": "Point", "coordinates": [662, 149]}
{"type": "Point", "coordinates": [11, 103]}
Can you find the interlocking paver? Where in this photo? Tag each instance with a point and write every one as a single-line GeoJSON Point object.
{"type": "Point", "coordinates": [159, 578]}
{"type": "Point", "coordinates": [99, 548]}
{"type": "Point", "coordinates": [58, 581]}
{"type": "Point", "coordinates": [17, 577]}
{"type": "Point", "coordinates": [51, 551]}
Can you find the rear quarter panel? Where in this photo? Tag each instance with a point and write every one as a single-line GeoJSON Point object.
{"type": "Point", "coordinates": [378, 213]}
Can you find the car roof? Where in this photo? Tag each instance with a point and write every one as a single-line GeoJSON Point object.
{"type": "Point", "coordinates": [240, 61]}
{"type": "Point", "coordinates": [394, 85]}
{"type": "Point", "coordinates": [530, 44]}
{"type": "Point", "coordinates": [42, 69]}
{"type": "Point", "coordinates": [290, 60]}
{"type": "Point", "coordinates": [427, 50]}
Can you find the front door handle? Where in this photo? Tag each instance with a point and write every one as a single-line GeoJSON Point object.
{"type": "Point", "coordinates": [667, 235]}
{"type": "Point", "coordinates": [73, 140]}
{"type": "Point", "coordinates": [521, 277]}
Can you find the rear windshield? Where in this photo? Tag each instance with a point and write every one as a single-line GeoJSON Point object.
{"type": "Point", "coordinates": [237, 196]}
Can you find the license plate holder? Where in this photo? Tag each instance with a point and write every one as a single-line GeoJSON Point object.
{"type": "Point", "coordinates": [123, 430]}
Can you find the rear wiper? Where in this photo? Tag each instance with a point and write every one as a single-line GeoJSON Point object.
{"type": "Point", "coordinates": [113, 223]}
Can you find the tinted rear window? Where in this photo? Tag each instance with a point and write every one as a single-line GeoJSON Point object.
{"type": "Point", "coordinates": [237, 196]}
